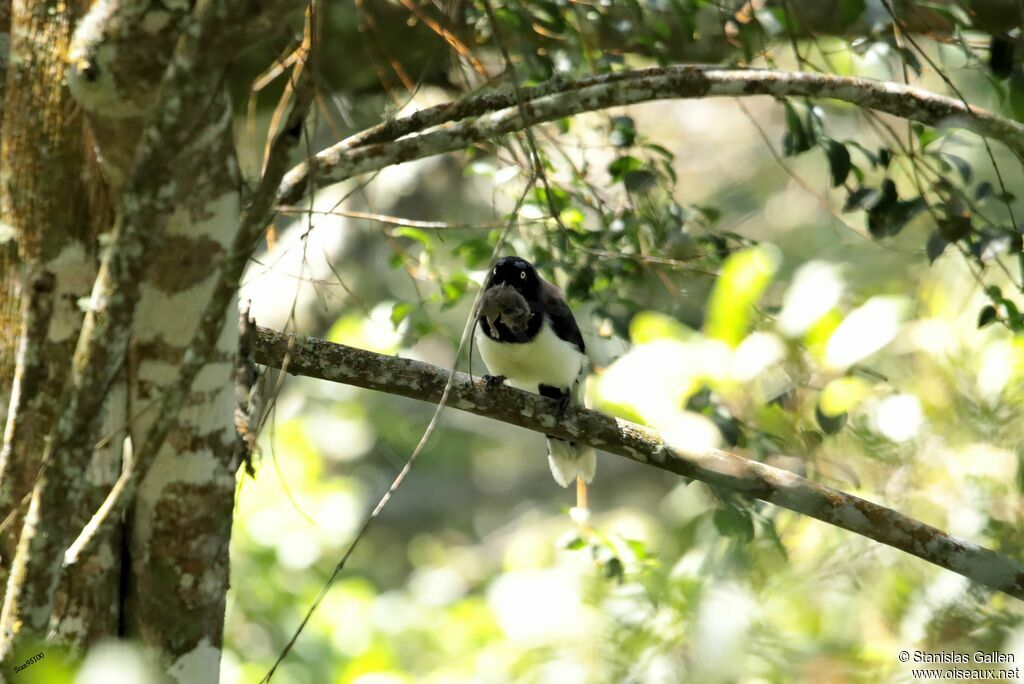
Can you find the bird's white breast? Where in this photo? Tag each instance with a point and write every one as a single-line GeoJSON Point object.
{"type": "Point", "coordinates": [544, 360]}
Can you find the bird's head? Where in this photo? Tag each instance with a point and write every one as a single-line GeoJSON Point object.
{"type": "Point", "coordinates": [517, 273]}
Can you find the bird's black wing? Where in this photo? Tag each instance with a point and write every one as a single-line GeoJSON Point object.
{"type": "Point", "coordinates": [553, 304]}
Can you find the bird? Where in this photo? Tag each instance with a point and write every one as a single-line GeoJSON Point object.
{"type": "Point", "coordinates": [528, 336]}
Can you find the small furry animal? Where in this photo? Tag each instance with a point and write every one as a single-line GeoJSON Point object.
{"type": "Point", "coordinates": [528, 335]}
{"type": "Point", "coordinates": [503, 303]}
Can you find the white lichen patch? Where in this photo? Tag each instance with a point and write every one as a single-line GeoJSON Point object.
{"type": "Point", "coordinates": [464, 404]}
{"type": "Point", "coordinates": [97, 92]}
{"type": "Point", "coordinates": [187, 581]}
{"type": "Point", "coordinates": [547, 421]}
{"type": "Point", "coordinates": [173, 468]}
{"type": "Point", "coordinates": [219, 223]}
{"type": "Point", "coordinates": [849, 517]}
{"type": "Point", "coordinates": [75, 274]}
{"type": "Point", "coordinates": [211, 583]}
{"type": "Point", "coordinates": [201, 665]}
{"type": "Point", "coordinates": [212, 376]}
{"type": "Point", "coordinates": [172, 317]}
{"type": "Point", "coordinates": [636, 455]}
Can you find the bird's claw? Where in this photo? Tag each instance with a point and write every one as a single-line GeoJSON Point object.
{"type": "Point", "coordinates": [563, 405]}
{"type": "Point", "coordinates": [493, 381]}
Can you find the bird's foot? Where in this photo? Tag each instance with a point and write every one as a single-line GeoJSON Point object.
{"type": "Point", "coordinates": [493, 381]}
{"type": "Point", "coordinates": [563, 404]}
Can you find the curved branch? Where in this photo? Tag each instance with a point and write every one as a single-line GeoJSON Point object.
{"type": "Point", "coordinates": [496, 114]}
{"type": "Point", "coordinates": [404, 377]}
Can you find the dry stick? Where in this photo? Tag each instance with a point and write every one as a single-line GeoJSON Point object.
{"type": "Point", "coordinates": [372, 150]}
{"type": "Point", "coordinates": [442, 402]}
{"type": "Point", "coordinates": [252, 224]}
{"type": "Point", "coordinates": [317, 358]}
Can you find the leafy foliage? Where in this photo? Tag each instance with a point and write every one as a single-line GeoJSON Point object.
{"type": "Point", "coordinates": [813, 299]}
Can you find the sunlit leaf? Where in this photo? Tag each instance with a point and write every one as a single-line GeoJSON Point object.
{"type": "Point", "coordinates": [650, 326]}
{"type": "Point", "coordinates": [815, 290]}
{"type": "Point", "coordinates": [866, 330]}
{"type": "Point", "coordinates": [843, 395]}
{"type": "Point", "coordinates": [741, 282]}
{"type": "Point", "coordinates": [830, 425]}
{"type": "Point", "coordinates": [416, 234]}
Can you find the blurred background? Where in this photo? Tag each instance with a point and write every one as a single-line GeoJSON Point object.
{"type": "Point", "coordinates": [811, 284]}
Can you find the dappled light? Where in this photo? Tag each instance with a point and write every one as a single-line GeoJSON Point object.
{"type": "Point", "coordinates": [511, 341]}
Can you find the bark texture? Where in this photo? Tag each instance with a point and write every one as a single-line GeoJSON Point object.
{"type": "Point", "coordinates": [317, 358]}
{"type": "Point", "coordinates": [44, 199]}
{"type": "Point", "coordinates": [9, 300]}
{"type": "Point", "coordinates": [151, 77]}
{"type": "Point", "coordinates": [178, 531]}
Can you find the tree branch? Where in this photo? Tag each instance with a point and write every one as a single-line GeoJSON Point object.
{"type": "Point", "coordinates": [496, 114]}
{"type": "Point", "coordinates": [317, 358]}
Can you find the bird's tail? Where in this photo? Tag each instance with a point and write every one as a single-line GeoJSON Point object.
{"type": "Point", "coordinates": [569, 460]}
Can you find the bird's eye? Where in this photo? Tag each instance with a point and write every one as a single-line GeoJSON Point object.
{"type": "Point", "coordinates": [522, 275]}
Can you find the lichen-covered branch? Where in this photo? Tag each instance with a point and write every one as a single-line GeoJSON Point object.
{"type": "Point", "coordinates": [404, 377]}
{"type": "Point", "coordinates": [478, 118]}
{"type": "Point", "coordinates": [254, 220]}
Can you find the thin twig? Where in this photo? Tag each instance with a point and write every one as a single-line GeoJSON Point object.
{"type": "Point", "coordinates": [404, 472]}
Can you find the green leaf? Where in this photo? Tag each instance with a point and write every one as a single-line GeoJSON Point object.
{"type": "Point", "coordinates": [842, 395]}
{"type": "Point", "coordinates": [613, 569]}
{"type": "Point", "coordinates": [414, 234]}
{"type": "Point", "coordinates": [987, 315]}
{"type": "Point", "coordinates": [572, 542]}
{"type": "Point", "coordinates": [830, 425]}
{"type": "Point", "coordinates": [732, 522]}
{"type": "Point", "coordinates": [452, 290]}
{"type": "Point", "coordinates": [1020, 469]}
{"type": "Point", "coordinates": [860, 198]}
{"type": "Point", "coordinates": [474, 252]}
{"type": "Point", "coordinates": [399, 312]}
{"type": "Point", "coordinates": [1016, 94]}
{"type": "Point", "coordinates": [954, 228]}
{"type": "Point", "coordinates": [797, 138]}
{"type": "Point", "coordinates": [658, 149]}
{"type": "Point", "coordinates": [650, 326]}
{"type": "Point", "coordinates": [623, 131]}
{"type": "Point", "coordinates": [639, 181]}
{"type": "Point", "coordinates": [984, 191]}
{"type": "Point", "coordinates": [935, 246]}
{"type": "Point", "coordinates": [838, 161]}
{"type": "Point", "coordinates": [961, 165]}
{"type": "Point", "coordinates": [850, 11]}
{"type": "Point", "coordinates": [623, 165]}
{"type": "Point", "coordinates": [741, 282]}
{"type": "Point", "coordinates": [992, 242]}
{"type": "Point", "coordinates": [638, 548]}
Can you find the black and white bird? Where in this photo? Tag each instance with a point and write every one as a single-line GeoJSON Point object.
{"type": "Point", "coordinates": [528, 336]}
